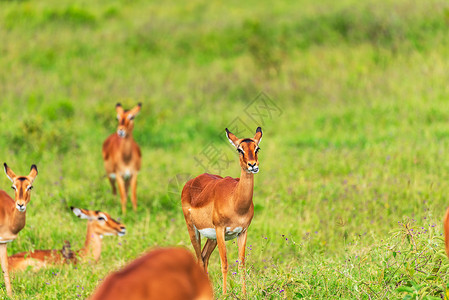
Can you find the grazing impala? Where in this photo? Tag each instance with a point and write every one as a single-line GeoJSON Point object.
{"type": "Point", "coordinates": [122, 156]}
{"type": "Point", "coordinates": [221, 209]}
{"type": "Point", "coordinates": [98, 224]}
{"type": "Point", "coordinates": [166, 273]}
{"type": "Point", "coordinates": [13, 213]}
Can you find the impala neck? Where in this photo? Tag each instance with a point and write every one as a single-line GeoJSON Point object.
{"type": "Point", "coordinates": [244, 196]}
{"type": "Point", "coordinates": [17, 222]}
{"type": "Point", "coordinates": [127, 144]}
{"type": "Point", "coordinates": [92, 245]}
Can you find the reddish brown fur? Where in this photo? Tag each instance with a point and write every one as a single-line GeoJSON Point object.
{"type": "Point", "coordinates": [446, 231]}
{"type": "Point", "coordinates": [169, 274]}
{"type": "Point", "coordinates": [92, 246]}
{"type": "Point", "coordinates": [122, 156]}
{"type": "Point", "coordinates": [37, 259]}
{"type": "Point", "coordinates": [12, 220]}
{"type": "Point", "coordinates": [211, 202]}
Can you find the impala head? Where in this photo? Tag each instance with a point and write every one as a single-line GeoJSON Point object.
{"type": "Point", "coordinates": [126, 119]}
{"type": "Point", "coordinates": [248, 149]}
{"type": "Point", "coordinates": [101, 222]}
{"type": "Point", "coordinates": [22, 186]}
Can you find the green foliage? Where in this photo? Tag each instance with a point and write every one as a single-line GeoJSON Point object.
{"type": "Point", "coordinates": [358, 142]}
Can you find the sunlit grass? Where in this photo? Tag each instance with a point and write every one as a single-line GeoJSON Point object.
{"type": "Point", "coordinates": [357, 143]}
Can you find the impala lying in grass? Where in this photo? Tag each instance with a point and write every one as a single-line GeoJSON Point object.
{"type": "Point", "coordinates": [98, 224]}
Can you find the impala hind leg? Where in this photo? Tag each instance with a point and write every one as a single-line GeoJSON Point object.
{"type": "Point", "coordinates": [133, 181]}
{"type": "Point", "coordinates": [241, 241]}
{"type": "Point", "coordinates": [208, 248]}
{"type": "Point", "coordinates": [121, 188]}
{"type": "Point", "coordinates": [112, 181]}
{"type": "Point", "coordinates": [4, 262]}
{"type": "Point", "coordinates": [194, 235]}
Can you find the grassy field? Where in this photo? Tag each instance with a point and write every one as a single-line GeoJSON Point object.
{"type": "Point", "coordinates": [352, 97]}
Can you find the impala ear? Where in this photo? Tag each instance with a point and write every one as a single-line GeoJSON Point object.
{"type": "Point", "coordinates": [119, 110]}
{"type": "Point", "coordinates": [258, 135]}
{"type": "Point", "coordinates": [9, 173]}
{"type": "Point", "coordinates": [79, 213]}
{"type": "Point", "coordinates": [134, 111]}
{"type": "Point", "coordinates": [232, 138]}
{"type": "Point", "coordinates": [33, 173]}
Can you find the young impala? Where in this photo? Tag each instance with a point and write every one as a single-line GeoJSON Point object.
{"type": "Point", "coordinates": [221, 209]}
{"type": "Point", "coordinates": [13, 213]}
{"type": "Point", "coordinates": [166, 273]}
{"type": "Point", "coordinates": [122, 156]}
{"type": "Point", "coordinates": [98, 224]}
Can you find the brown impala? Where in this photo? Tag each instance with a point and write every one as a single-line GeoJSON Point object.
{"type": "Point", "coordinates": [221, 209]}
{"type": "Point", "coordinates": [98, 224]}
{"type": "Point", "coordinates": [13, 213]}
{"type": "Point", "coordinates": [162, 274]}
{"type": "Point", "coordinates": [446, 231]}
{"type": "Point", "coordinates": [122, 156]}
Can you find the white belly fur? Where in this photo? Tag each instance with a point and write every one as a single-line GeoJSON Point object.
{"type": "Point", "coordinates": [210, 233]}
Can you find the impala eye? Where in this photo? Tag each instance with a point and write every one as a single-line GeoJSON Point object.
{"type": "Point", "coordinates": [13, 187]}
{"type": "Point", "coordinates": [30, 188]}
{"type": "Point", "coordinates": [257, 150]}
{"type": "Point", "coordinates": [101, 219]}
{"type": "Point", "coordinates": [240, 151]}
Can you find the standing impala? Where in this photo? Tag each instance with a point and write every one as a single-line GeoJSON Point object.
{"type": "Point", "coordinates": [122, 156]}
{"type": "Point", "coordinates": [98, 224]}
{"type": "Point", "coordinates": [13, 213]}
{"type": "Point", "coordinates": [221, 209]}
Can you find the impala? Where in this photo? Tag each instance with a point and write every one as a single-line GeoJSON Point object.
{"type": "Point", "coordinates": [122, 156]}
{"type": "Point", "coordinates": [166, 273]}
{"type": "Point", "coordinates": [446, 231]}
{"type": "Point", "coordinates": [221, 209]}
{"type": "Point", "coordinates": [13, 214]}
{"type": "Point", "coordinates": [98, 224]}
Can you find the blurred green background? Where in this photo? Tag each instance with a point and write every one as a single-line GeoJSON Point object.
{"type": "Point", "coordinates": [352, 97]}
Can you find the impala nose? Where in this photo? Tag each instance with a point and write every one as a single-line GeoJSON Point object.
{"type": "Point", "coordinates": [253, 168]}
{"type": "Point", "coordinates": [122, 231]}
{"type": "Point", "coordinates": [21, 207]}
{"type": "Point", "coordinates": [121, 133]}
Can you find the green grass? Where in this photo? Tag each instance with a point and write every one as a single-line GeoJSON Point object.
{"type": "Point", "coordinates": [352, 159]}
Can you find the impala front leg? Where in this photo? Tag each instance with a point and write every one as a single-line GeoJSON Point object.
{"type": "Point", "coordinates": [222, 250]}
{"type": "Point", "coordinates": [122, 190]}
{"type": "Point", "coordinates": [4, 261]}
{"type": "Point", "coordinates": [134, 190]}
{"type": "Point", "coordinates": [241, 241]}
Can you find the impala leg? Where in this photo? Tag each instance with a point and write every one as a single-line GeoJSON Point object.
{"type": "Point", "coordinates": [241, 241]}
{"type": "Point", "coordinates": [194, 235]}
{"type": "Point", "coordinates": [134, 191]}
{"type": "Point", "coordinates": [121, 188]}
{"type": "Point", "coordinates": [127, 181]}
{"type": "Point", "coordinates": [209, 247]}
{"type": "Point", "coordinates": [222, 250]}
{"type": "Point", "coordinates": [112, 181]}
{"type": "Point", "coordinates": [4, 262]}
